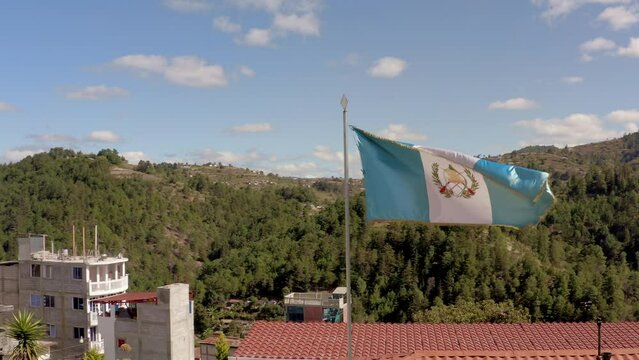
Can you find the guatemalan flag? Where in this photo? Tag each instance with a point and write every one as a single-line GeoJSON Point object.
{"type": "Point", "coordinates": [407, 182]}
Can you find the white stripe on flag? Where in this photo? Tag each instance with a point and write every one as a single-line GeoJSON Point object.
{"type": "Point", "coordinates": [475, 208]}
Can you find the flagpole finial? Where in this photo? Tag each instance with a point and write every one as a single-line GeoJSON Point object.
{"type": "Point", "coordinates": [344, 102]}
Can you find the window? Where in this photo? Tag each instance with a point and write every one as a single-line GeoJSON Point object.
{"type": "Point", "coordinates": [36, 300]}
{"type": "Point", "coordinates": [78, 333]}
{"type": "Point", "coordinates": [93, 333]}
{"type": "Point", "coordinates": [48, 300]}
{"type": "Point", "coordinates": [78, 303]}
{"type": "Point", "coordinates": [35, 270]}
{"type": "Point", "coordinates": [47, 271]}
{"type": "Point", "coordinates": [50, 330]}
{"type": "Point", "coordinates": [77, 273]}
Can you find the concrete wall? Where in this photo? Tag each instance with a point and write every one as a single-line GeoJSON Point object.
{"type": "Point", "coordinates": [106, 327]}
{"type": "Point", "coordinates": [162, 331]}
{"type": "Point", "coordinates": [9, 288]}
{"type": "Point", "coordinates": [181, 317]}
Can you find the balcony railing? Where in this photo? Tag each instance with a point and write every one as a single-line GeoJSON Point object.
{"type": "Point", "coordinates": [110, 286]}
{"type": "Point", "coordinates": [94, 318]}
{"type": "Point", "coordinates": [313, 299]}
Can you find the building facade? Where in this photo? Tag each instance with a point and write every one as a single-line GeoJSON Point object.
{"type": "Point", "coordinates": [148, 326]}
{"type": "Point", "coordinates": [60, 289]}
{"type": "Point", "coordinates": [316, 306]}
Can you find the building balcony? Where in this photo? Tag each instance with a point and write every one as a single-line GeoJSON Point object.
{"type": "Point", "coordinates": [112, 286]}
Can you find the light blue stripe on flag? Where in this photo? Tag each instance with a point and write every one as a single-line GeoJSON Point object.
{"type": "Point", "coordinates": [517, 195]}
{"type": "Point", "coordinates": [395, 180]}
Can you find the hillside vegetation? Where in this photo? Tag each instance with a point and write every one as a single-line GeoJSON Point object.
{"type": "Point", "coordinates": [233, 232]}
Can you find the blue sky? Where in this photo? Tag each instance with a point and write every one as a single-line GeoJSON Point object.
{"type": "Point", "coordinates": [257, 83]}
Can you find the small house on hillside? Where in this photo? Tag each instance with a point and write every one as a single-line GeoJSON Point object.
{"type": "Point", "coordinates": [316, 306]}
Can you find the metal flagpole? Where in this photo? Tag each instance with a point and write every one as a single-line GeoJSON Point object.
{"type": "Point", "coordinates": [347, 235]}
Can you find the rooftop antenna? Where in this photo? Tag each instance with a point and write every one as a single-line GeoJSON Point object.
{"type": "Point", "coordinates": [95, 241]}
{"type": "Point", "coordinates": [84, 249]}
{"type": "Point", "coordinates": [73, 240]}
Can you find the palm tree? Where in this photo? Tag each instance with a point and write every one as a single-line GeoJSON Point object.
{"type": "Point", "coordinates": [27, 331]}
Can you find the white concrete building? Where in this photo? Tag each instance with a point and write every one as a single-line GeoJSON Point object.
{"type": "Point", "coordinates": [155, 326]}
{"type": "Point", "coordinates": [60, 289]}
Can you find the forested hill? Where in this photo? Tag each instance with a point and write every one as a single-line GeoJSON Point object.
{"type": "Point", "coordinates": [233, 232]}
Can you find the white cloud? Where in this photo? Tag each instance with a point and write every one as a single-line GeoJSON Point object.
{"type": "Point", "coordinates": [305, 24]}
{"type": "Point", "coordinates": [619, 17]}
{"type": "Point", "coordinates": [103, 136]}
{"type": "Point", "coordinates": [181, 70]}
{"type": "Point", "coordinates": [301, 169]}
{"type": "Point", "coordinates": [401, 132]}
{"type": "Point", "coordinates": [195, 72]}
{"type": "Point", "coordinates": [351, 59]}
{"type": "Point", "coordinates": [280, 6]}
{"type": "Point", "coordinates": [325, 153]}
{"type": "Point", "coordinates": [632, 127]}
{"type": "Point", "coordinates": [134, 157]}
{"type": "Point", "coordinates": [251, 128]}
{"type": "Point", "coordinates": [224, 24]}
{"type": "Point", "coordinates": [257, 37]}
{"type": "Point", "coordinates": [96, 92]}
{"type": "Point", "coordinates": [15, 155]}
{"type": "Point", "coordinates": [387, 67]}
{"type": "Point", "coordinates": [142, 63]}
{"type": "Point", "coordinates": [572, 79]}
{"type": "Point", "coordinates": [513, 104]}
{"type": "Point", "coordinates": [6, 107]}
{"type": "Point", "coordinates": [586, 57]}
{"type": "Point", "coordinates": [228, 157]}
{"type": "Point", "coordinates": [632, 50]}
{"type": "Point", "coordinates": [51, 138]}
{"type": "Point", "coordinates": [188, 5]}
{"type": "Point", "coordinates": [266, 5]}
{"type": "Point", "coordinates": [624, 116]}
{"type": "Point", "coordinates": [560, 8]}
{"type": "Point", "coordinates": [247, 71]}
{"type": "Point", "coordinates": [298, 17]}
{"type": "Point", "coordinates": [575, 129]}
{"type": "Point", "coordinates": [597, 44]}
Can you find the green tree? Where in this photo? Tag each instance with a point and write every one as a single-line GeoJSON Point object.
{"type": "Point", "coordinates": [93, 354]}
{"type": "Point", "coordinates": [112, 155]}
{"type": "Point", "coordinates": [222, 348]}
{"type": "Point", "coordinates": [470, 312]}
{"type": "Point", "coordinates": [27, 331]}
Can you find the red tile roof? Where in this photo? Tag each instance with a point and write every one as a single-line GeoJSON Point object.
{"type": "Point", "coordinates": [620, 354]}
{"type": "Point", "coordinates": [328, 341]}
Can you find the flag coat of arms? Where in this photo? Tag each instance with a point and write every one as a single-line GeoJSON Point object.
{"type": "Point", "coordinates": [408, 182]}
